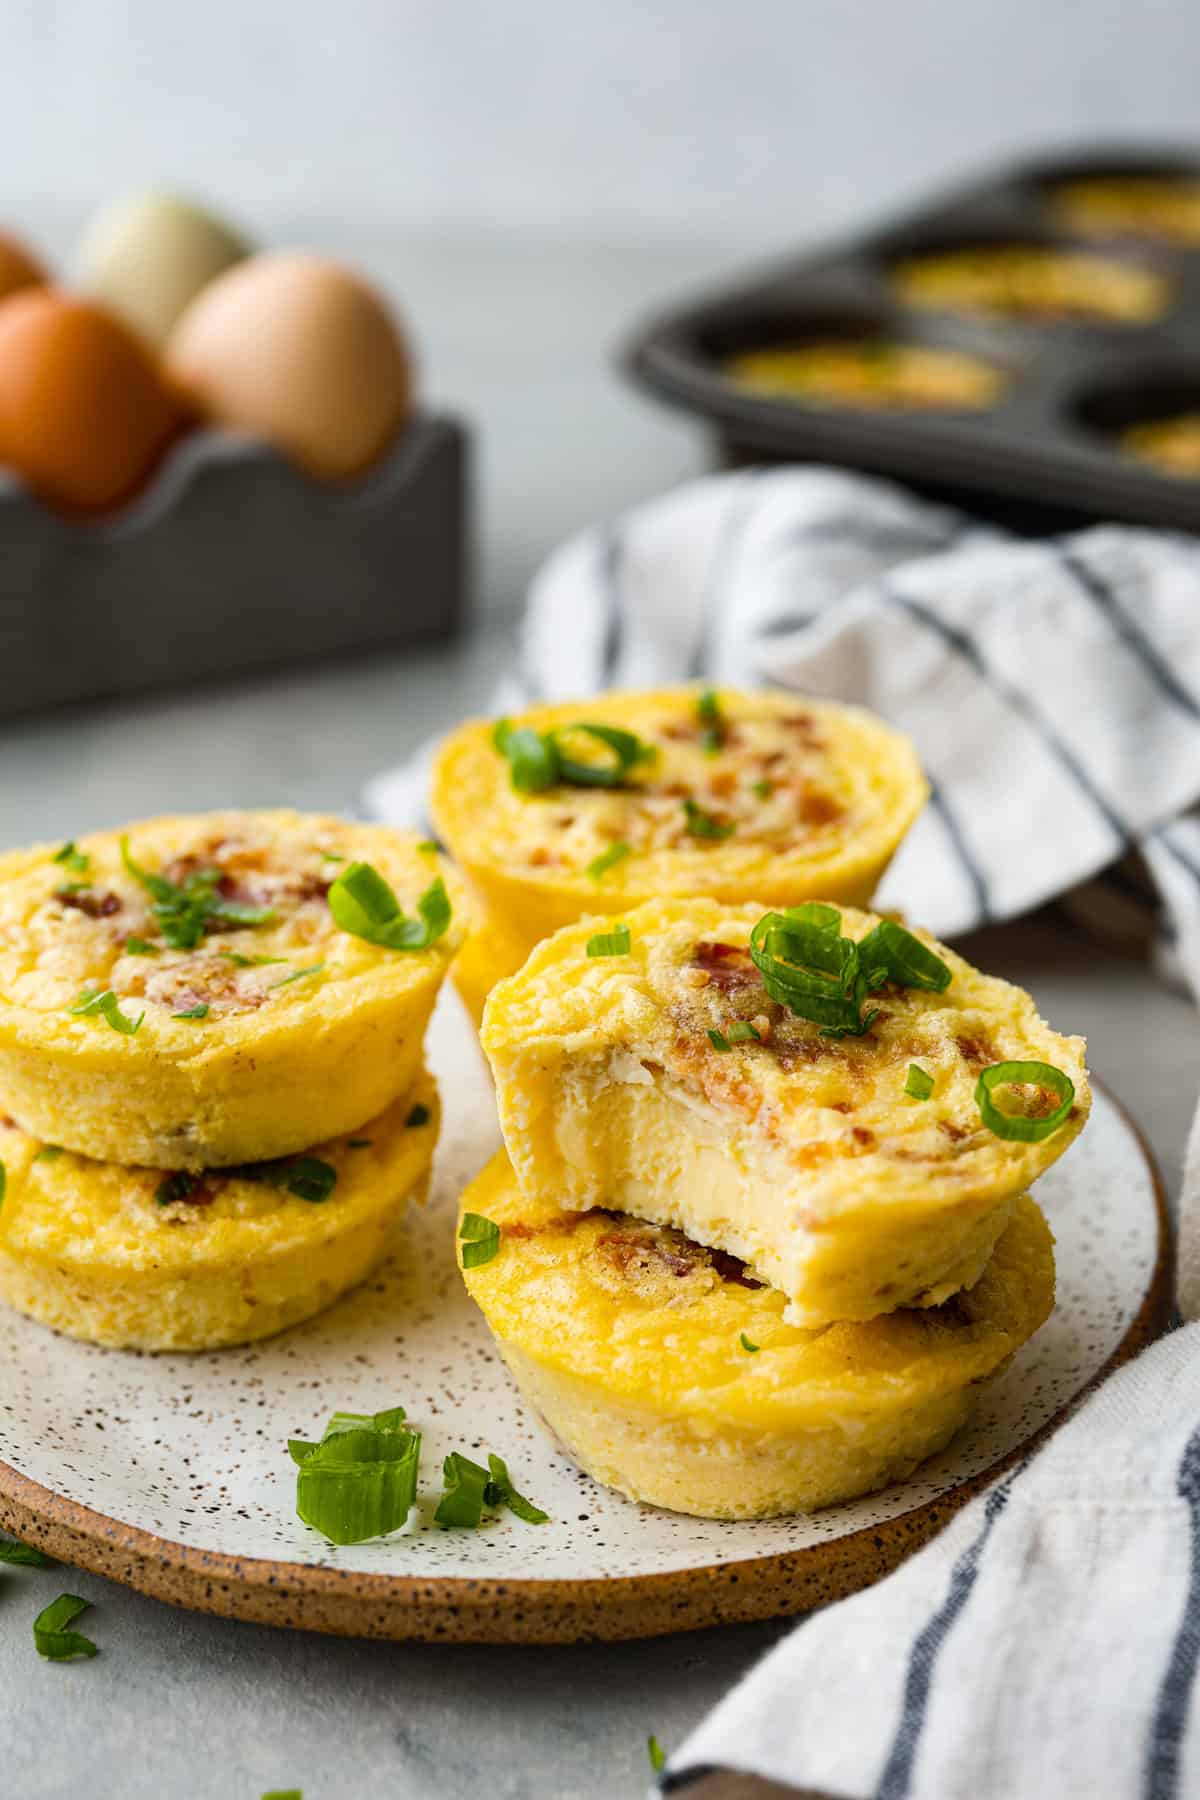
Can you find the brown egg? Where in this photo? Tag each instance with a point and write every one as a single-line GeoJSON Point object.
{"type": "Point", "coordinates": [84, 413]}
{"type": "Point", "coordinates": [18, 267]}
{"type": "Point", "coordinates": [297, 350]}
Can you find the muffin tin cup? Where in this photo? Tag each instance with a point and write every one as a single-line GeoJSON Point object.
{"type": "Point", "coordinates": [1046, 451]}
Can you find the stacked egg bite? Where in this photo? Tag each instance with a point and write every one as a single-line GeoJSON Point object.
{"type": "Point", "coordinates": [761, 1228]}
{"type": "Point", "coordinates": [213, 1097]}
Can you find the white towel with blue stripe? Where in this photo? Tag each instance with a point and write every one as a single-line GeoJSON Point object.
{"type": "Point", "coordinates": [1048, 1642]}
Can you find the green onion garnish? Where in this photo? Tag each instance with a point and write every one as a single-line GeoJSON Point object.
{"type": "Point", "coordinates": [72, 858]}
{"type": "Point", "coordinates": [607, 859]}
{"type": "Point", "coordinates": [610, 943]}
{"type": "Point", "coordinates": [363, 904]}
{"type": "Point", "coordinates": [298, 975]}
{"type": "Point", "coordinates": [360, 1481]}
{"type": "Point", "coordinates": [701, 824]}
{"type": "Point", "coordinates": [105, 1002]}
{"type": "Point", "coordinates": [284, 1794]}
{"type": "Point", "coordinates": [809, 968]}
{"type": "Point", "coordinates": [918, 1083]}
{"type": "Point", "coordinates": [185, 910]}
{"type": "Point", "coordinates": [249, 962]}
{"type": "Point", "coordinates": [427, 847]}
{"type": "Point", "coordinates": [466, 1487]}
{"type": "Point", "coordinates": [538, 760]}
{"type": "Point", "coordinates": [1019, 1127]}
{"type": "Point", "coordinates": [136, 946]}
{"type": "Point", "coordinates": [532, 758]}
{"type": "Point", "coordinates": [418, 1115]}
{"type": "Point", "coordinates": [740, 1032]}
{"type": "Point", "coordinates": [708, 711]}
{"type": "Point", "coordinates": [480, 1239]}
{"type": "Point", "coordinates": [332, 856]}
{"type": "Point", "coordinates": [24, 1556]}
{"type": "Point", "coordinates": [747, 1346]}
{"type": "Point", "coordinates": [307, 1177]}
{"type": "Point", "coordinates": [50, 1635]}
{"type": "Point", "coordinates": [201, 1010]}
{"type": "Point", "coordinates": [501, 1492]}
{"type": "Point", "coordinates": [48, 1153]}
{"type": "Point", "coordinates": [176, 1187]}
{"type": "Point", "coordinates": [762, 790]}
{"type": "Point", "coordinates": [656, 1753]}
{"type": "Point", "coordinates": [904, 957]}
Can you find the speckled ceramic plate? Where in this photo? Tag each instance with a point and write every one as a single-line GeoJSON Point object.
{"type": "Point", "coordinates": [172, 1473]}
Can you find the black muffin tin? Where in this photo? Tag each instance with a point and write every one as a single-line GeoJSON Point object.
{"type": "Point", "coordinates": [1041, 455]}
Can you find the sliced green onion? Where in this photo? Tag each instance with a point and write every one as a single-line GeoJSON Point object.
{"type": "Point", "coordinates": [298, 975]}
{"type": "Point", "coordinates": [136, 946]}
{"type": "Point", "coordinates": [740, 1032]}
{"type": "Point", "coordinates": [72, 858]}
{"type": "Point", "coordinates": [708, 711]}
{"type": "Point", "coordinates": [249, 962]}
{"type": "Point", "coordinates": [762, 790]}
{"type": "Point", "coordinates": [607, 859]}
{"type": "Point", "coordinates": [332, 856]}
{"type": "Point", "coordinates": [501, 1492]}
{"type": "Point", "coordinates": [284, 1794]}
{"type": "Point", "coordinates": [532, 759]}
{"type": "Point", "coordinates": [701, 824]}
{"type": "Point", "coordinates": [418, 1115]}
{"type": "Point", "coordinates": [610, 943]}
{"type": "Point", "coordinates": [907, 961]}
{"type": "Point", "coordinates": [48, 1153]}
{"type": "Point", "coordinates": [176, 1187]}
{"type": "Point", "coordinates": [656, 1753]}
{"type": "Point", "coordinates": [811, 970]}
{"type": "Point", "coordinates": [428, 847]}
{"type": "Point", "coordinates": [201, 1010]}
{"type": "Point", "coordinates": [363, 904]}
{"type": "Point", "coordinates": [1018, 1127]}
{"type": "Point", "coordinates": [627, 751]}
{"type": "Point", "coordinates": [24, 1556]}
{"type": "Point", "coordinates": [186, 909]}
{"type": "Point", "coordinates": [480, 1239]}
{"type": "Point", "coordinates": [466, 1486]}
{"type": "Point", "coordinates": [307, 1177]}
{"type": "Point", "coordinates": [918, 1083]}
{"type": "Point", "coordinates": [50, 1634]}
{"type": "Point", "coordinates": [360, 1481]}
{"type": "Point", "coordinates": [104, 1002]}
{"type": "Point", "coordinates": [747, 1346]}
{"type": "Point", "coordinates": [816, 913]}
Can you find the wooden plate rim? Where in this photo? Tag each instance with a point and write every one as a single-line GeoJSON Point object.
{"type": "Point", "coordinates": [466, 1609]}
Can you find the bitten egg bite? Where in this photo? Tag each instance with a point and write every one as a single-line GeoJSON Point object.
{"type": "Point", "coordinates": [731, 795]}
{"type": "Point", "coordinates": [142, 1259]}
{"type": "Point", "coordinates": [670, 1374]}
{"type": "Point", "coordinates": [190, 1000]}
{"type": "Point", "coordinates": [666, 1083]}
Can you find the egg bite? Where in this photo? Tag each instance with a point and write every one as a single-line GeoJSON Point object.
{"type": "Point", "coordinates": [1034, 281]}
{"type": "Point", "coordinates": [183, 996]}
{"type": "Point", "coordinates": [726, 794]}
{"type": "Point", "coordinates": [664, 1081]}
{"type": "Point", "coordinates": [146, 1260]}
{"type": "Point", "coordinates": [670, 1374]}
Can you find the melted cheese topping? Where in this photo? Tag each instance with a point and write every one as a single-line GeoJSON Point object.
{"type": "Point", "coordinates": [1035, 282]}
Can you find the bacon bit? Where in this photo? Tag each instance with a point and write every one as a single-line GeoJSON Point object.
{"type": "Point", "coordinates": [805, 727]}
{"type": "Point", "coordinates": [628, 1249]}
{"type": "Point", "coordinates": [9, 1124]}
{"type": "Point", "coordinates": [732, 1269]}
{"type": "Point", "coordinates": [96, 906]}
{"type": "Point", "coordinates": [956, 1133]}
{"type": "Point", "coordinates": [723, 783]}
{"type": "Point", "coordinates": [565, 822]}
{"type": "Point", "coordinates": [813, 807]}
{"type": "Point", "coordinates": [975, 1050]}
{"type": "Point", "coordinates": [861, 1135]}
{"type": "Point", "coordinates": [726, 965]}
{"type": "Point", "coordinates": [693, 977]}
{"type": "Point", "coordinates": [842, 1106]}
{"type": "Point", "coordinates": [541, 858]}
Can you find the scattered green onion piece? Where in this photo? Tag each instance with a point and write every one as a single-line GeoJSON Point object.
{"type": "Point", "coordinates": [284, 1794]}
{"type": "Point", "coordinates": [908, 962]}
{"type": "Point", "coordinates": [308, 1177]}
{"type": "Point", "coordinates": [505, 1494]}
{"type": "Point", "coordinates": [762, 790]}
{"type": "Point", "coordinates": [50, 1635]}
{"type": "Point", "coordinates": [627, 751]}
{"type": "Point", "coordinates": [811, 970]}
{"type": "Point", "coordinates": [332, 856]}
{"type": "Point", "coordinates": [740, 1032]}
{"type": "Point", "coordinates": [201, 1010]}
{"type": "Point", "coordinates": [607, 859]}
{"type": "Point", "coordinates": [136, 946]}
{"type": "Point", "coordinates": [418, 1115]}
{"type": "Point", "coordinates": [72, 858]}
{"type": "Point", "coordinates": [186, 909]}
{"type": "Point", "coordinates": [176, 1187]}
{"type": "Point", "coordinates": [656, 1753]}
{"type": "Point", "coordinates": [532, 758]}
{"type": "Point", "coordinates": [480, 1239]}
{"type": "Point", "coordinates": [701, 824]}
{"type": "Point", "coordinates": [249, 962]}
{"type": "Point", "coordinates": [708, 711]}
{"type": "Point", "coordinates": [48, 1153]}
{"type": "Point", "coordinates": [105, 1002]}
{"type": "Point", "coordinates": [359, 1143]}
{"type": "Point", "coordinates": [360, 1481]}
{"type": "Point", "coordinates": [816, 913]}
{"type": "Point", "coordinates": [747, 1346]}
{"type": "Point", "coordinates": [610, 943]}
{"type": "Point", "coordinates": [918, 1083]}
{"type": "Point", "coordinates": [24, 1556]}
{"type": "Point", "coordinates": [466, 1487]}
{"type": "Point", "coordinates": [428, 847]}
{"type": "Point", "coordinates": [298, 975]}
{"type": "Point", "coordinates": [1016, 1127]}
{"type": "Point", "coordinates": [363, 904]}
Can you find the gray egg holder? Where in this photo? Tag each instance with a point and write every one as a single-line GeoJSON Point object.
{"type": "Point", "coordinates": [232, 560]}
{"type": "Point", "coordinates": [1045, 451]}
